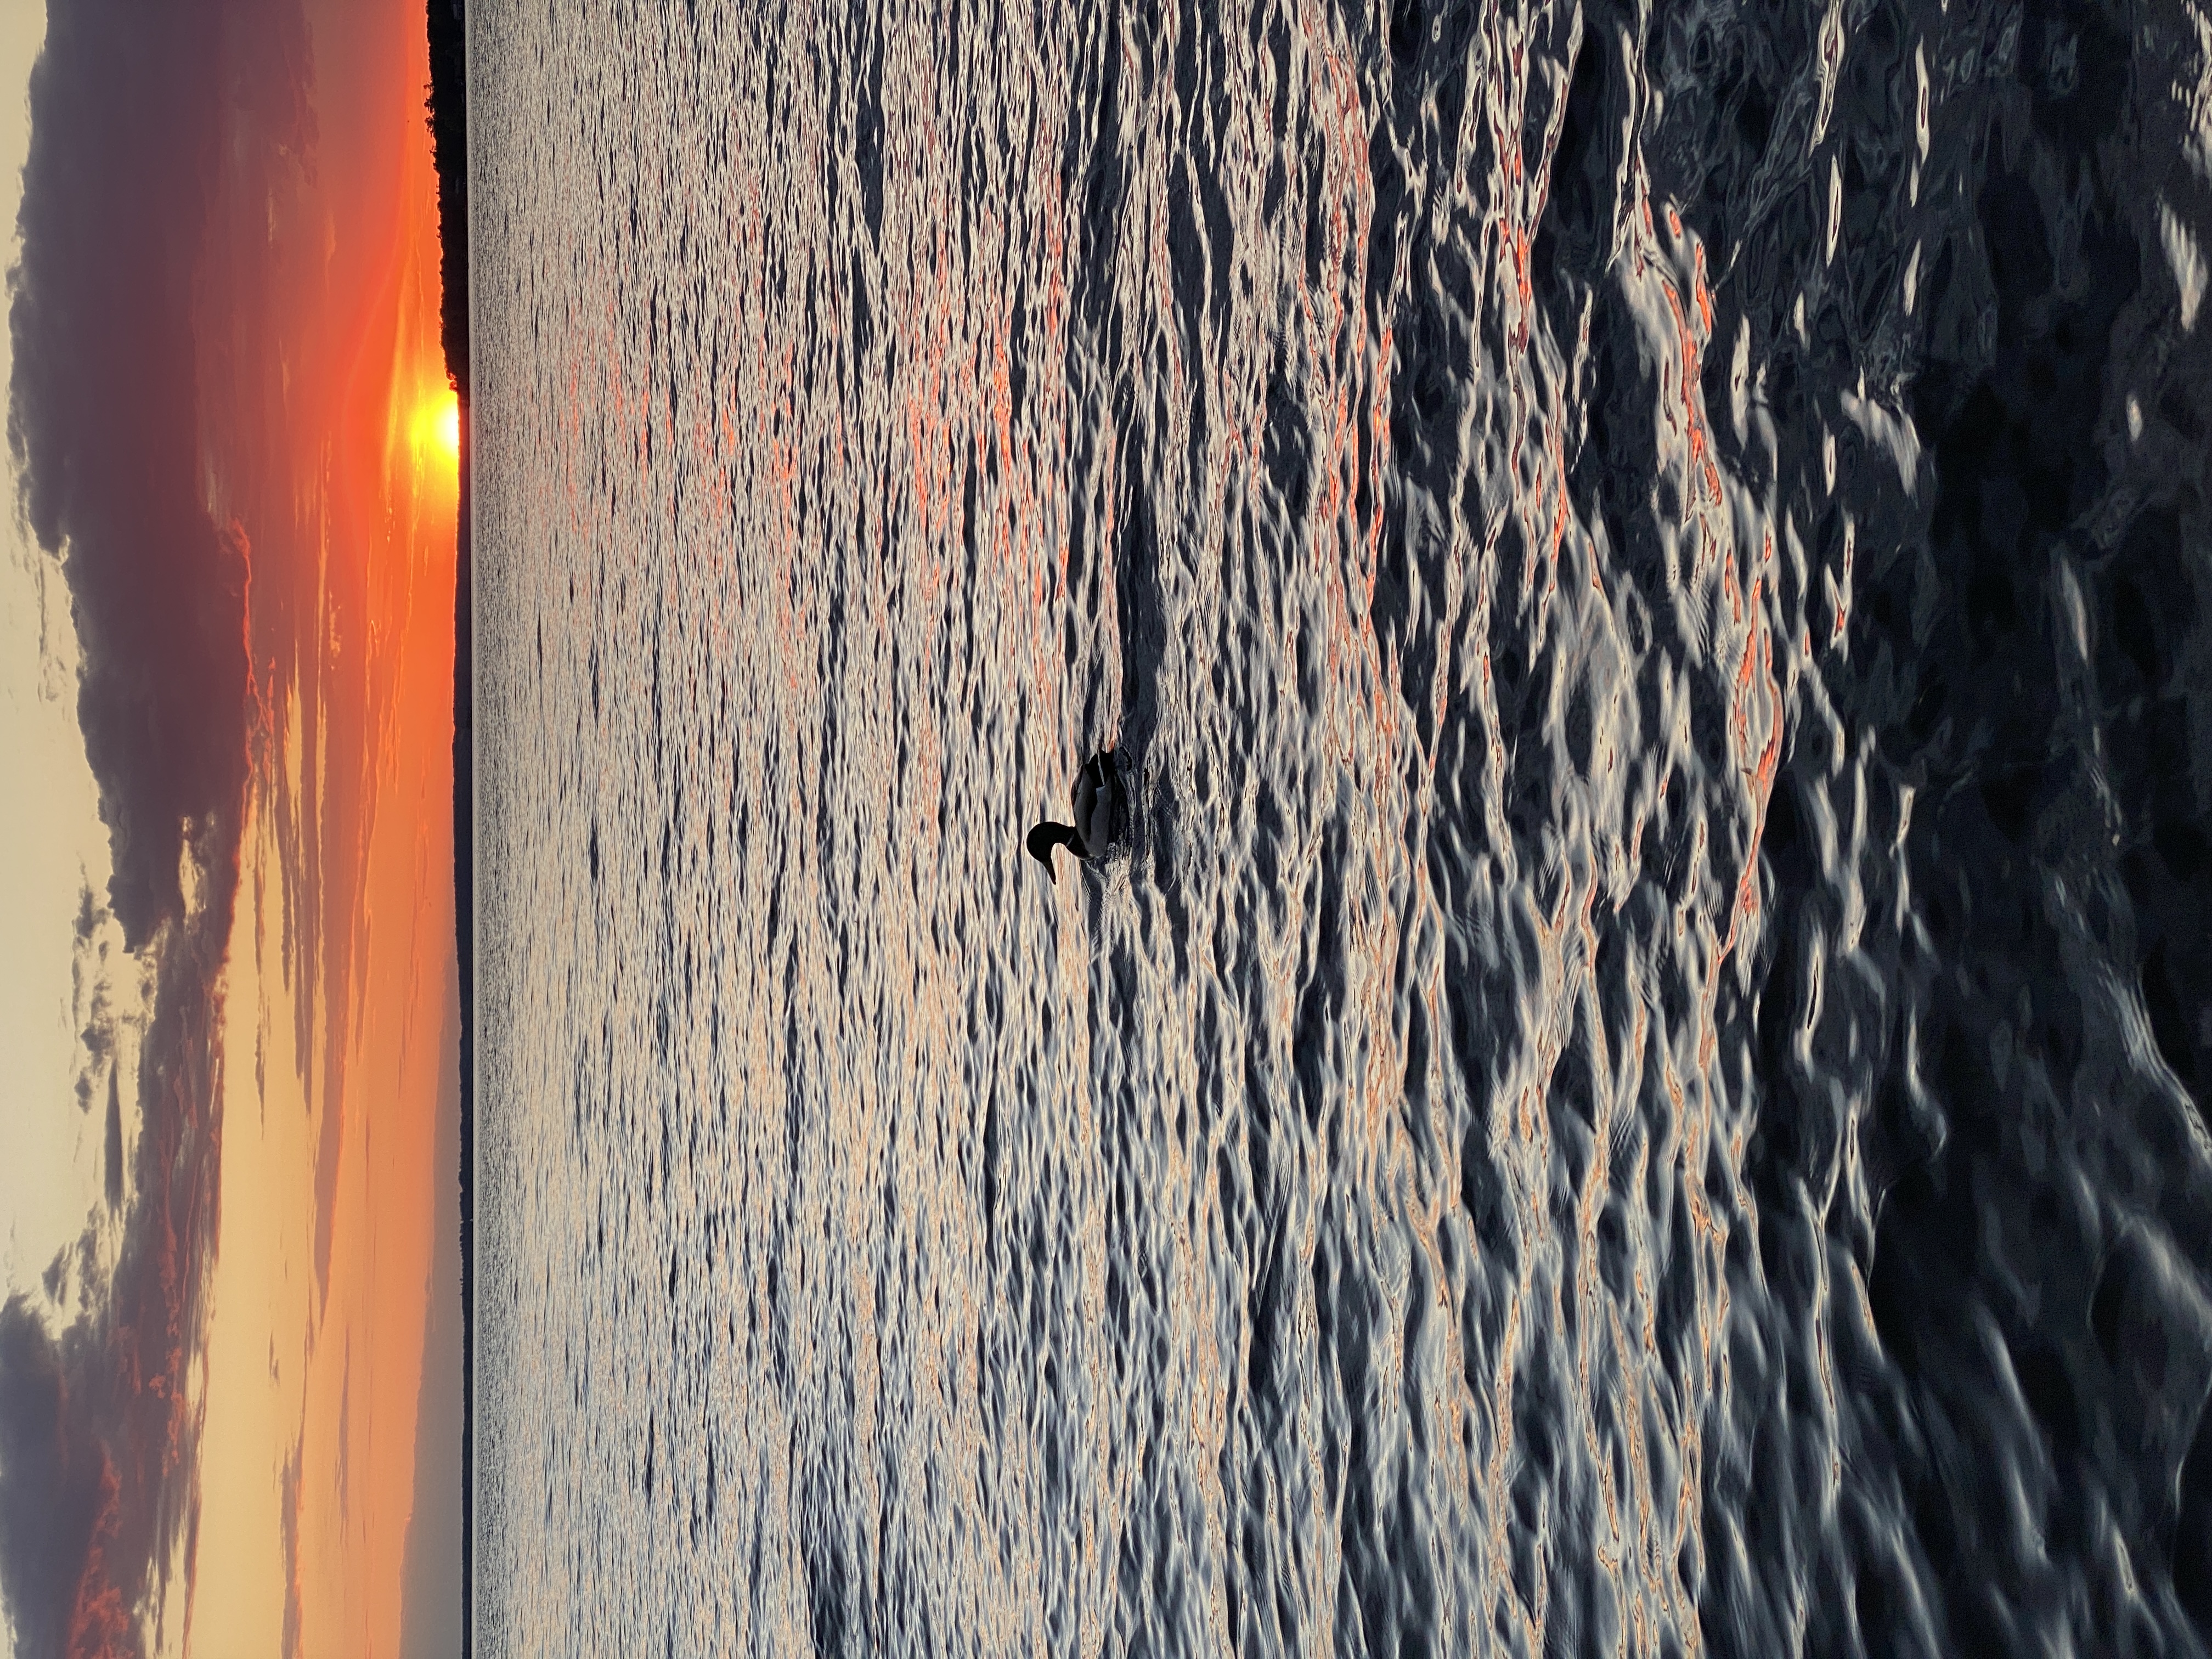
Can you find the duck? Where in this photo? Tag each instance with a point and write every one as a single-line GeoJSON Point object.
{"type": "Point", "coordinates": [1097, 788]}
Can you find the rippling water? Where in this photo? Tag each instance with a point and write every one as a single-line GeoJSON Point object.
{"type": "Point", "coordinates": [1630, 1085]}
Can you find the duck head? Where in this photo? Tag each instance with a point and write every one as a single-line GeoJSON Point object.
{"type": "Point", "coordinates": [1048, 835]}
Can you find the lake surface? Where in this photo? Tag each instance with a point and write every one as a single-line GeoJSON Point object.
{"type": "Point", "coordinates": [1631, 1082]}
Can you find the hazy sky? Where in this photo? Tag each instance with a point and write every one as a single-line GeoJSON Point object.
{"type": "Point", "coordinates": [50, 853]}
{"type": "Point", "coordinates": [302, 393]}
{"type": "Point", "coordinates": [50, 1179]}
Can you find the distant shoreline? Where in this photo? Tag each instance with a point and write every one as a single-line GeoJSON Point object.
{"type": "Point", "coordinates": [449, 118]}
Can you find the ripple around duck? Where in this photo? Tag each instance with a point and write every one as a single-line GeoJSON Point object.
{"type": "Point", "coordinates": [1632, 1084]}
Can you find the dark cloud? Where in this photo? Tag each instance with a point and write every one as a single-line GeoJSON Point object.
{"type": "Point", "coordinates": [97, 1447]}
{"type": "Point", "coordinates": [92, 978]}
{"type": "Point", "coordinates": [126, 120]}
{"type": "Point", "coordinates": [57, 1487]}
{"type": "Point", "coordinates": [114, 1149]}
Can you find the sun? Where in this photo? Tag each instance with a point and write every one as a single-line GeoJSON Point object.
{"type": "Point", "coordinates": [437, 425]}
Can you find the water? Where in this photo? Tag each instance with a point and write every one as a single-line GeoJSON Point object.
{"type": "Point", "coordinates": [1631, 1084]}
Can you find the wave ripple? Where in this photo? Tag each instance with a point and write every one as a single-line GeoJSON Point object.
{"type": "Point", "coordinates": [1633, 1084]}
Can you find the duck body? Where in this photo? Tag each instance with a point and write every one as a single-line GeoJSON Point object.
{"type": "Point", "coordinates": [1097, 788]}
{"type": "Point", "coordinates": [1097, 794]}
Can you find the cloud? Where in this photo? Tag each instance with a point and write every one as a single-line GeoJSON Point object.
{"type": "Point", "coordinates": [103, 419]}
{"type": "Point", "coordinates": [433, 1601]}
{"type": "Point", "coordinates": [97, 1444]}
{"type": "Point", "coordinates": [57, 1488]}
{"type": "Point", "coordinates": [113, 1162]}
{"type": "Point", "coordinates": [288, 1514]}
{"type": "Point", "coordinates": [132, 103]}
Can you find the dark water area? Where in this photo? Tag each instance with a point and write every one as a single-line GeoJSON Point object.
{"type": "Point", "coordinates": [1633, 1082]}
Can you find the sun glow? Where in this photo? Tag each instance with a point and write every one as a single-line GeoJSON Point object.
{"type": "Point", "coordinates": [437, 426]}
{"type": "Point", "coordinates": [330, 1393]}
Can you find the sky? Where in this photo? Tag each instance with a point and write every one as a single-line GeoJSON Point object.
{"type": "Point", "coordinates": [54, 1181]}
{"type": "Point", "coordinates": [229, 1345]}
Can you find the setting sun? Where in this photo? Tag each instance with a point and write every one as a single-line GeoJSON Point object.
{"type": "Point", "coordinates": [437, 425]}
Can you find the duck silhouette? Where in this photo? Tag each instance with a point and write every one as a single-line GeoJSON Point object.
{"type": "Point", "coordinates": [1097, 790]}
